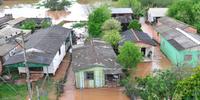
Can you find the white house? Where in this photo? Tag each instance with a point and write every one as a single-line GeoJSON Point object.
{"type": "Point", "coordinates": [155, 13]}
{"type": "Point", "coordinates": [45, 50]}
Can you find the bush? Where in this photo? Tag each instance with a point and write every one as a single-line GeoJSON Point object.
{"type": "Point", "coordinates": [29, 24]}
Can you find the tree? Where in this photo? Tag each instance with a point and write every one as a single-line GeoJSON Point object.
{"type": "Point", "coordinates": [56, 4]}
{"type": "Point", "coordinates": [181, 10]}
{"type": "Point", "coordinates": [96, 20]}
{"type": "Point", "coordinates": [162, 85]}
{"type": "Point", "coordinates": [111, 24]}
{"type": "Point", "coordinates": [156, 3]}
{"type": "Point", "coordinates": [189, 88]}
{"type": "Point", "coordinates": [134, 24]}
{"type": "Point", "coordinates": [113, 37]}
{"type": "Point", "coordinates": [129, 55]}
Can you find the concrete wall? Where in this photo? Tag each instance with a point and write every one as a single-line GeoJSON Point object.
{"type": "Point", "coordinates": [99, 78]}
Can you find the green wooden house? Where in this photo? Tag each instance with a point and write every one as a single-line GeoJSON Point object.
{"type": "Point", "coordinates": [179, 42]}
{"type": "Point", "coordinates": [95, 66]}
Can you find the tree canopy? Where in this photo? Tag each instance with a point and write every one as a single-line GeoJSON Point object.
{"type": "Point", "coordinates": [129, 55]}
{"type": "Point", "coordinates": [113, 37]}
{"type": "Point", "coordinates": [96, 20]}
{"type": "Point", "coordinates": [56, 4]}
{"type": "Point", "coordinates": [29, 24]}
{"type": "Point", "coordinates": [187, 11]}
{"type": "Point", "coordinates": [189, 88]}
{"type": "Point", "coordinates": [134, 24]}
{"type": "Point", "coordinates": [111, 24]}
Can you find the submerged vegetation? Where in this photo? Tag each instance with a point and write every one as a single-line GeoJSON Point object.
{"type": "Point", "coordinates": [54, 5]}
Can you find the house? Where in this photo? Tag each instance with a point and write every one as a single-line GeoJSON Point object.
{"type": "Point", "coordinates": [155, 13]}
{"type": "Point", "coordinates": [179, 42]}
{"type": "Point", "coordinates": [95, 66]}
{"type": "Point", "coordinates": [5, 19]}
{"type": "Point", "coordinates": [45, 50]}
{"type": "Point", "coordinates": [123, 15]}
{"type": "Point", "coordinates": [8, 46]}
{"type": "Point", "coordinates": [142, 40]}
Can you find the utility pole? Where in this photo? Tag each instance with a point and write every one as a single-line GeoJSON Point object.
{"type": "Point", "coordinates": [27, 68]}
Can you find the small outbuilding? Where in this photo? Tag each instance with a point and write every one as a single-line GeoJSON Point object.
{"type": "Point", "coordinates": [95, 66]}
{"type": "Point", "coordinates": [142, 40]}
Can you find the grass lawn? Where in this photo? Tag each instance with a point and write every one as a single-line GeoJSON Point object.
{"type": "Point", "coordinates": [13, 92]}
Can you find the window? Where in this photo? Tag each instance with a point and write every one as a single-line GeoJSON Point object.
{"type": "Point", "coordinates": [188, 57]}
{"type": "Point", "coordinates": [89, 75]}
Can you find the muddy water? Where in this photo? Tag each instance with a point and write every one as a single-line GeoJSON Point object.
{"type": "Point", "coordinates": [11, 3]}
{"type": "Point", "coordinates": [95, 94]}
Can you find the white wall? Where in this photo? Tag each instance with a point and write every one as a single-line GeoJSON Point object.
{"type": "Point", "coordinates": [56, 61]}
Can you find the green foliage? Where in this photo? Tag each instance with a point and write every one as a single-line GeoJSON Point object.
{"type": "Point", "coordinates": [156, 3]}
{"type": "Point", "coordinates": [29, 24]}
{"type": "Point", "coordinates": [189, 88]}
{"type": "Point", "coordinates": [79, 25]}
{"type": "Point", "coordinates": [129, 55]}
{"type": "Point", "coordinates": [56, 4]}
{"type": "Point", "coordinates": [111, 24]}
{"type": "Point", "coordinates": [134, 4]}
{"type": "Point", "coordinates": [12, 92]}
{"type": "Point", "coordinates": [181, 10]}
{"type": "Point", "coordinates": [161, 86]}
{"type": "Point", "coordinates": [134, 24]}
{"type": "Point", "coordinates": [113, 37]}
{"type": "Point", "coordinates": [96, 20]}
{"type": "Point", "coordinates": [45, 24]}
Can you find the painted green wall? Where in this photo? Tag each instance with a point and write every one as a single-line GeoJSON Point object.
{"type": "Point", "coordinates": [172, 54]}
{"type": "Point", "coordinates": [177, 57]}
{"type": "Point", "coordinates": [99, 78]}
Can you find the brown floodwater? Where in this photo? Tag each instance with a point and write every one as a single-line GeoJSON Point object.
{"type": "Point", "coordinates": [95, 94]}
{"type": "Point", "coordinates": [11, 3]}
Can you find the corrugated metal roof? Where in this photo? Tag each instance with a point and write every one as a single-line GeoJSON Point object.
{"type": "Point", "coordinates": [180, 40]}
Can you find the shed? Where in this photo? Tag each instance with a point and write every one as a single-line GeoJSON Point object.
{"type": "Point", "coordinates": [94, 65]}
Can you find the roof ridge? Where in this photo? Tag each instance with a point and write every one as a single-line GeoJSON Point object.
{"type": "Point", "coordinates": [135, 35]}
